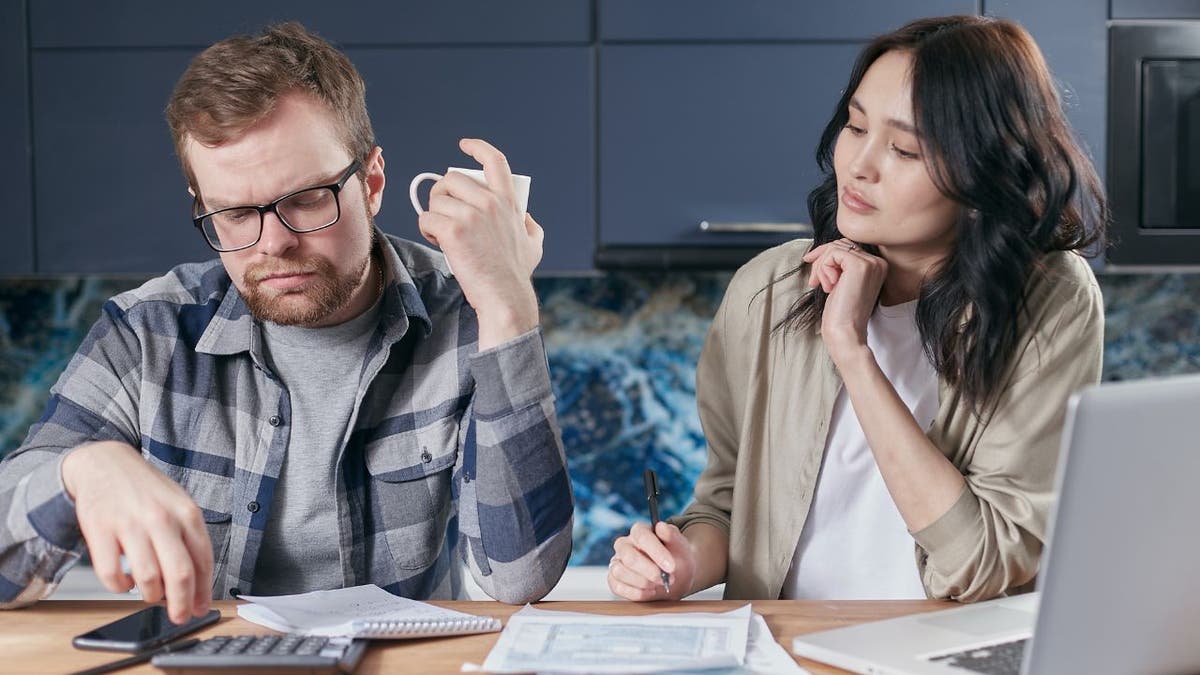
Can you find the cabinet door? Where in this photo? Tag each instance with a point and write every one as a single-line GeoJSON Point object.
{"type": "Point", "coordinates": [110, 195]}
{"type": "Point", "coordinates": [1155, 9]}
{"type": "Point", "coordinates": [16, 190]}
{"type": "Point", "coordinates": [1072, 35]}
{"type": "Point", "coordinates": [747, 20]}
{"type": "Point", "coordinates": [534, 103]}
{"type": "Point", "coordinates": [718, 133]}
{"type": "Point", "coordinates": [111, 198]}
{"type": "Point", "coordinates": [153, 23]}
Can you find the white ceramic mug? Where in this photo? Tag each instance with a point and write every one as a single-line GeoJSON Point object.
{"type": "Point", "coordinates": [520, 190]}
{"type": "Point", "coordinates": [520, 186]}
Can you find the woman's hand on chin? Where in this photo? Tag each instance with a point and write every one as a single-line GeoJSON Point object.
{"type": "Point", "coordinates": [852, 278]}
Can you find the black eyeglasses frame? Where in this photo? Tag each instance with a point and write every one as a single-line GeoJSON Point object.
{"type": "Point", "coordinates": [273, 207]}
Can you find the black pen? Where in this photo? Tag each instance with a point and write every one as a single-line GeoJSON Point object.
{"type": "Point", "coordinates": [140, 658]}
{"type": "Point", "coordinates": [651, 482]}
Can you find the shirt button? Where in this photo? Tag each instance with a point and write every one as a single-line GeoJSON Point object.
{"type": "Point", "coordinates": [274, 420]}
{"type": "Point", "coordinates": [234, 592]}
{"type": "Point", "coordinates": [426, 457]}
{"type": "Point", "coordinates": [252, 507]}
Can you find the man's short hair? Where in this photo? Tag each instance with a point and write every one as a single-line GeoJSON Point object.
{"type": "Point", "coordinates": [236, 82]}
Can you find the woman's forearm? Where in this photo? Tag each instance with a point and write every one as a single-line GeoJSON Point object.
{"type": "Point", "coordinates": [922, 482]}
{"type": "Point", "coordinates": [710, 547]}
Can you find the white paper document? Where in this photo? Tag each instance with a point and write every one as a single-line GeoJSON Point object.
{"type": "Point", "coordinates": [764, 655]}
{"type": "Point", "coordinates": [360, 610]}
{"type": "Point", "coordinates": [574, 642]}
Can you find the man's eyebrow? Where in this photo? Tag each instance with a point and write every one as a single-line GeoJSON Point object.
{"type": "Point", "coordinates": [313, 180]}
{"type": "Point", "coordinates": [891, 121]}
{"type": "Point", "coordinates": [216, 204]}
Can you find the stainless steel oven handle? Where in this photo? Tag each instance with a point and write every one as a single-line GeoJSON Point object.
{"type": "Point", "coordinates": [757, 228]}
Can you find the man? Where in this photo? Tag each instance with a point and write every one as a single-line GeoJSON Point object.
{"type": "Point", "coordinates": [325, 405]}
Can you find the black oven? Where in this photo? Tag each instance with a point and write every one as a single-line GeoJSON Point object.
{"type": "Point", "coordinates": [1154, 142]}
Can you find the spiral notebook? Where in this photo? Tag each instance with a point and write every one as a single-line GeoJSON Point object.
{"type": "Point", "coordinates": [360, 612]}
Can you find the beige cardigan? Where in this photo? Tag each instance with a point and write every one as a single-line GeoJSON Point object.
{"type": "Point", "coordinates": [766, 401]}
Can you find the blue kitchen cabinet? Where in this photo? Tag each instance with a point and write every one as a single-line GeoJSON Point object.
{"type": "Point", "coordinates": [722, 135]}
{"type": "Point", "coordinates": [1156, 9]}
{"type": "Point", "coordinates": [16, 190]}
{"type": "Point", "coordinates": [109, 192]}
{"type": "Point", "coordinates": [639, 121]}
{"type": "Point", "coordinates": [753, 20]}
{"type": "Point", "coordinates": [1073, 37]}
{"type": "Point", "coordinates": [111, 199]}
{"type": "Point", "coordinates": [534, 103]}
{"type": "Point", "coordinates": [710, 114]}
{"type": "Point", "coordinates": [153, 23]}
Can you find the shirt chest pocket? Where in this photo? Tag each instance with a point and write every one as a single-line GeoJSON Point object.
{"type": "Point", "coordinates": [411, 491]}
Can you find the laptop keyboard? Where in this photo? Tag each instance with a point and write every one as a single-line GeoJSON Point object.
{"type": "Point", "coordinates": [1001, 659]}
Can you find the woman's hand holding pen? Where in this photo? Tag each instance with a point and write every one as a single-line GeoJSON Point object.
{"type": "Point", "coordinates": [634, 573]}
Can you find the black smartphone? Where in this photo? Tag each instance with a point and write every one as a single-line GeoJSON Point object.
{"type": "Point", "coordinates": [144, 629]}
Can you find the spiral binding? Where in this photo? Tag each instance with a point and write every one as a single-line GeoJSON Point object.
{"type": "Point", "coordinates": [475, 624]}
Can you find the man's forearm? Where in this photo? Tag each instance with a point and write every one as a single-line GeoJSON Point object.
{"type": "Point", "coordinates": [504, 322]}
{"type": "Point", "coordinates": [517, 486]}
{"type": "Point", "coordinates": [77, 464]}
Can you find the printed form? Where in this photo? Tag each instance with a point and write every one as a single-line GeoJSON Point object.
{"type": "Point", "coordinates": [573, 642]}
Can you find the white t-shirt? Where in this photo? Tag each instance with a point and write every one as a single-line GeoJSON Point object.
{"type": "Point", "coordinates": [855, 545]}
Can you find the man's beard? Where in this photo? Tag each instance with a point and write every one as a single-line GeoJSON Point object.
{"type": "Point", "coordinates": [322, 296]}
{"type": "Point", "coordinates": [327, 293]}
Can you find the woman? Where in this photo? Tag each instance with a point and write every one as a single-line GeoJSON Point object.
{"type": "Point", "coordinates": [903, 377]}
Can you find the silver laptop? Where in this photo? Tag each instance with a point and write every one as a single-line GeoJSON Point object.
{"type": "Point", "coordinates": [1120, 583]}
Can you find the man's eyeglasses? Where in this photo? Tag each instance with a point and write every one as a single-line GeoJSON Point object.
{"type": "Point", "coordinates": [307, 210]}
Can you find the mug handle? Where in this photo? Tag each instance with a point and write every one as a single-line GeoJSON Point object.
{"type": "Point", "coordinates": [412, 196]}
{"type": "Point", "coordinates": [416, 182]}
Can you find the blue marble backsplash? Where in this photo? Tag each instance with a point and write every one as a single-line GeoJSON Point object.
{"type": "Point", "coordinates": [622, 348]}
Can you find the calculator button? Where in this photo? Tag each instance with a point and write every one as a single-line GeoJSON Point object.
{"type": "Point", "coordinates": [311, 646]}
{"type": "Point", "coordinates": [288, 644]}
{"type": "Point", "coordinates": [263, 645]}
{"type": "Point", "coordinates": [209, 646]}
{"type": "Point", "coordinates": [236, 645]}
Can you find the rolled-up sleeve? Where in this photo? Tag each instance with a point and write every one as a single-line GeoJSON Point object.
{"type": "Point", "coordinates": [990, 541]}
{"type": "Point", "coordinates": [515, 501]}
{"type": "Point", "coordinates": [716, 400]}
{"type": "Point", "coordinates": [93, 400]}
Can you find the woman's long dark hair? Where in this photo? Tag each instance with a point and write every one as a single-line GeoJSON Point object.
{"type": "Point", "coordinates": [989, 118]}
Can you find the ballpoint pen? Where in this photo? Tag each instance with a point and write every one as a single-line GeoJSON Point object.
{"type": "Point", "coordinates": [651, 481]}
{"type": "Point", "coordinates": [140, 658]}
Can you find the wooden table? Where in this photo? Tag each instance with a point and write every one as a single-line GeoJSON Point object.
{"type": "Point", "coordinates": [37, 639]}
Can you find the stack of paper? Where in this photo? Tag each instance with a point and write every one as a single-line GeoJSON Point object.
{"type": "Point", "coordinates": [361, 611]}
{"type": "Point", "coordinates": [571, 642]}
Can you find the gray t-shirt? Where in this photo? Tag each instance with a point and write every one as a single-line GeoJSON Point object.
{"type": "Point", "coordinates": [320, 368]}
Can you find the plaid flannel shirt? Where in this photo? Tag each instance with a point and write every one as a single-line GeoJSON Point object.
{"type": "Point", "coordinates": [454, 453]}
